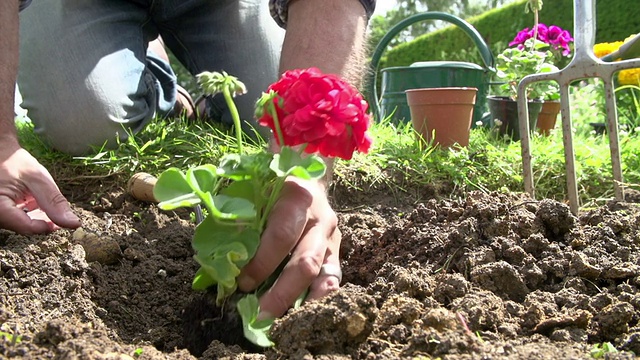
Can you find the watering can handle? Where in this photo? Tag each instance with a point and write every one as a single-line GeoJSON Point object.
{"type": "Point", "coordinates": [487, 56]}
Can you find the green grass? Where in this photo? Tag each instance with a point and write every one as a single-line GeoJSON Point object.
{"type": "Point", "coordinates": [490, 164]}
{"type": "Point", "coordinates": [162, 144]}
{"type": "Point", "coordinates": [396, 161]}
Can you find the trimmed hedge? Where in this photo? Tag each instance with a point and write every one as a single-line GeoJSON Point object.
{"type": "Point", "coordinates": [615, 20]}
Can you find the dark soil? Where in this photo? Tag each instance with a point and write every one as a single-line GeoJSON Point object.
{"type": "Point", "coordinates": [484, 276]}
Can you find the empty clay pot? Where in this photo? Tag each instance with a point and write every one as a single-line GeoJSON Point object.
{"type": "Point", "coordinates": [442, 116]}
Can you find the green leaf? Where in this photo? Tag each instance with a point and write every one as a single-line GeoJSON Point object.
{"type": "Point", "coordinates": [232, 208]}
{"type": "Point", "coordinates": [211, 235]}
{"type": "Point", "coordinates": [222, 270]}
{"type": "Point", "coordinates": [224, 207]}
{"type": "Point", "coordinates": [186, 200]}
{"type": "Point", "coordinates": [313, 169]}
{"type": "Point", "coordinates": [290, 162]}
{"type": "Point", "coordinates": [255, 331]}
{"type": "Point", "coordinates": [226, 261]}
{"type": "Point", "coordinates": [202, 178]}
{"type": "Point", "coordinates": [231, 167]}
{"type": "Point", "coordinates": [202, 280]}
{"type": "Point", "coordinates": [599, 350]}
{"type": "Point", "coordinates": [243, 167]}
{"type": "Point", "coordinates": [207, 235]}
{"type": "Point", "coordinates": [173, 190]}
{"type": "Point", "coordinates": [250, 238]}
{"type": "Point", "coordinates": [222, 249]}
{"type": "Point", "coordinates": [243, 189]}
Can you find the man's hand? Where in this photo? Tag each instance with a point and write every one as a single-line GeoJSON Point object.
{"type": "Point", "coordinates": [303, 225]}
{"type": "Point", "coordinates": [329, 35]}
{"type": "Point", "coordinates": [30, 201]}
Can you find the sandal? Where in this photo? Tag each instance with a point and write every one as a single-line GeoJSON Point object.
{"type": "Point", "coordinates": [202, 112]}
{"type": "Point", "coordinates": [185, 106]}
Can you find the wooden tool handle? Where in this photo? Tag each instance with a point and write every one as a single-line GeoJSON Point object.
{"type": "Point", "coordinates": [140, 186]}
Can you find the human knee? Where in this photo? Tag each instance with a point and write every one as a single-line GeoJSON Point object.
{"type": "Point", "coordinates": [80, 127]}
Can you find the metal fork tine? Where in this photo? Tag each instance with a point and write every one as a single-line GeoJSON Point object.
{"type": "Point", "coordinates": [583, 65]}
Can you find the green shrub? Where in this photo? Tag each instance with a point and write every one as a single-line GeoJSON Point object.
{"type": "Point", "coordinates": [615, 20]}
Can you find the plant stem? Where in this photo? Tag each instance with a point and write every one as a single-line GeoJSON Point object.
{"type": "Point", "coordinates": [234, 115]}
{"type": "Point", "coordinates": [535, 6]}
{"type": "Point", "coordinates": [275, 192]}
{"type": "Point", "coordinates": [535, 25]}
{"type": "Point", "coordinates": [276, 123]}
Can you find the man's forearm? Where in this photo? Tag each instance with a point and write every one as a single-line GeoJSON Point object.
{"type": "Point", "coordinates": [329, 35]}
{"type": "Point", "coordinates": [8, 68]}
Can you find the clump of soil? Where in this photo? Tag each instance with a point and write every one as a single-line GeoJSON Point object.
{"type": "Point", "coordinates": [483, 276]}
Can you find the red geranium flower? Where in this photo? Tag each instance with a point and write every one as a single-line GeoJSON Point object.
{"type": "Point", "coordinates": [319, 110]}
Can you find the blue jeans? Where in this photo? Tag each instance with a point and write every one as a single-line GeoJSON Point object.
{"type": "Point", "coordinates": [85, 73]}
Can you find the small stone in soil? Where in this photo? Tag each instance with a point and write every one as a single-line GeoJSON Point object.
{"type": "Point", "coordinates": [103, 249]}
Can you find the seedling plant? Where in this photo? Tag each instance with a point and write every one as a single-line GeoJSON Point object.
{"type": "Point", "coordinates": [311, 114]}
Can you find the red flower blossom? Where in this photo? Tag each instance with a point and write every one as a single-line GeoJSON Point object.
{"type": "Point", "coordinates": [319, 110]}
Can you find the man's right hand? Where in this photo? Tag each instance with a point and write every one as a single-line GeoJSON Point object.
{"type": "Point", "coordinates": [30, 201]}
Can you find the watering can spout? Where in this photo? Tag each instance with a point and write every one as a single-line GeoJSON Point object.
{"type": "Point", "coordinates": [421, 74]}
{"type": "Point", "coordinates": [629, 50]}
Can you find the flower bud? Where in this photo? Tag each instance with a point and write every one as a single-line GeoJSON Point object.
{"type": "Point", "coordinates": [215, 82]}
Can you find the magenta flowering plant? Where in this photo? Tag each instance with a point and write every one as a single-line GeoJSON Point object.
{"type": "Point", "coordinates": [558, 41]}
{"type": "Point", "coordinates": [513, 64]}
{"type": "Point", "coordinates": [541, 49]}
{"type": "Point", "coordinates": [533, 51]}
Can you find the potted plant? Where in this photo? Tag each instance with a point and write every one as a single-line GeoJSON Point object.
{"type": "Point", "coordinates": [512, 65]}
{"type": "Point", "coordinates": [559, 43]}
{"type": "Point", "coordinates": [539, 50]}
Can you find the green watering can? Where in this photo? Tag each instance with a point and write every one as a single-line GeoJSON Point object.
{"type": "Point", "coordinates": [429, 74]}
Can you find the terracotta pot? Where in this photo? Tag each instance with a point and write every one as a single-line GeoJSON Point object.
{"type": "Point", "coordinates": [547, 117]}
{"type": "Point", "coordinates": [442, 116]}
{"type": "Point", "coordinates": [504, 115]}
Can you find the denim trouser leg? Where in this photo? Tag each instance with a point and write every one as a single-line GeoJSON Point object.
{"type": "Point", "coordinates": [241, 38]}
{"type": "Point", "coordinates": [85, 71]}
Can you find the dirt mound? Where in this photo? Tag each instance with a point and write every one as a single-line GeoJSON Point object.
{"type": "Point", "coordinates": [487, 276]}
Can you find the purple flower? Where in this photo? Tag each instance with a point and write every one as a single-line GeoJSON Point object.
{"type": "Point", "coordinates": [526, 34]}
{"type": "Point", "coordinates": [559, 38]}
{"type": "Point", "coordinates": [521, 37]}
{"type": "Point", "coordinates": [552, 35]}
{"type": "Point", "coordinates": [542, 32]}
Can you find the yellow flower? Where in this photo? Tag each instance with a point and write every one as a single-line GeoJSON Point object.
{"type": "Point", "coordinates": [604, 49]}
{"type": "Point", "coordinates": [625, 77]}
{"type": "Point", "coordinates": [629, 77]}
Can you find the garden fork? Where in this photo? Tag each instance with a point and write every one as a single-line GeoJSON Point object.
{"type": "Point", "coordinates": [583, 65]}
